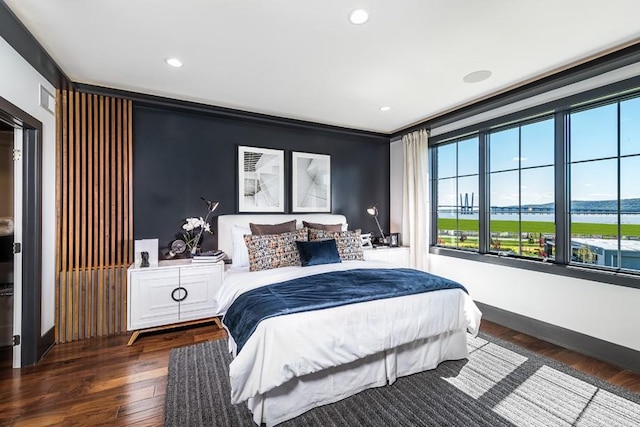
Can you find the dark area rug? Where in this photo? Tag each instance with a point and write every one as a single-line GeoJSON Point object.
{"type": "Point", "coordinates": [500, 385]}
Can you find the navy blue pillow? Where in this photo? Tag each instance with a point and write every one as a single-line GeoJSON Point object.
{"type": "Point", "coordinates": [318, 252]}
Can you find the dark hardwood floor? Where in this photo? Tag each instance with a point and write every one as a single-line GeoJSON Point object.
{"type": "Point", "coordinates": [104, 382]}
{"type": "Point", "coordinates": [6, 357]}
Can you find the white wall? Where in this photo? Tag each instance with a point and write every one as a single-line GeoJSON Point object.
{"type": "Point", "coordinates": [19, 84]}
{"type": "Point", "coordinates": [600, 310]}
{"type": "Point", "coordinates": [607, 312]}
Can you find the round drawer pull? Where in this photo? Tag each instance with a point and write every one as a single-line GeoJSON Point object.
{"type": "Point", "coordinates": [179, 289]}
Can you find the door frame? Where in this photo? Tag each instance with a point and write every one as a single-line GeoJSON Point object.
{"type": "Point", "coordinates": [33, 344]}
{"type": "Point", "coordinates": [18, 142]}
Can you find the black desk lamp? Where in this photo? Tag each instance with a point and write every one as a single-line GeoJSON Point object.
{"type": "Point", "coordinates": [373, 211]}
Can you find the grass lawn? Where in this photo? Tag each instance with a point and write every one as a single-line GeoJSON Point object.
{"type": "Point", "coordinates": [502, 226]}
{"type": "Point", "coordinates": [528, 249]}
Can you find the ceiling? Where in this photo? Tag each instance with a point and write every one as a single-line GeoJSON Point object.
{"type": "Point", "coordinates": [305, 60]}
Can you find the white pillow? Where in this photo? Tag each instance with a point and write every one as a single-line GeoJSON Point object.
{"type": "Point", "coordinates": [240, 255]}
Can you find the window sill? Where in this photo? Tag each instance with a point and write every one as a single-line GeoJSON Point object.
{"type": "Point", "coordinates": [609, 277]}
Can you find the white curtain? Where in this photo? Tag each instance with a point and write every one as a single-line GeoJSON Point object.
{"type": "Point", "coordinates": [415, 197]}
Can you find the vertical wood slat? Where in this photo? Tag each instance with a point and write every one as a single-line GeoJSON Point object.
{"type": "Point", "coordinates": [114, 211]}
{"type": "Point", "coordinates": [68, 318]}
{"type": "Point", "coordinates": [88, 324]}
{"type": "Point", "coordinates": [112, 217]}
{"type": "Point", "coordinates": [101, 237]}
{"type": "Point", "coordinates": [82, 266]}
{"type": "Point", "coordinates": [76, 225]}
{"type": "Point", "coordinates": [96, 216]}
{"type": "Point", "coordinates": [94, 212]}
{"type": "Point", "coordinates": [119, 213]}
{"type": "Point", "coordinates": [107, 211]}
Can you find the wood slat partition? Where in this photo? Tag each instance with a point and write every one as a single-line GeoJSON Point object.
{"type": "Point", "coordinates": [94, 214]}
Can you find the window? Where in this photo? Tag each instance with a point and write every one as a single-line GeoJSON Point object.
{"type": "Point", "coordinates": [521, 181]}
{"type": "Point", "coordinates": [604, 166]}
{"type": "Point", "coordinates": [561, 187]}
{"type": "Point", "coordinates": [457, 188]}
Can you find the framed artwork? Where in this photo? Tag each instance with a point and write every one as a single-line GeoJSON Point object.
{"type": "Point", "coordinates": [260, 180]}
{"type": "Point", "coordinates": [311, 182]}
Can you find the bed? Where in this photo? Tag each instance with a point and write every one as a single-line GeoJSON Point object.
{"type": "Point", "coordinates": [292, 363]}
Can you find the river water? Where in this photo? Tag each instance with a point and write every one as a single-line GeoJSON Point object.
{"type": "Point", "coordinates": [592, 219]}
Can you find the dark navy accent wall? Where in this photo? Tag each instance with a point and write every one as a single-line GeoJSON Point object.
{"type": "Point", "coordinates": [181, 155]}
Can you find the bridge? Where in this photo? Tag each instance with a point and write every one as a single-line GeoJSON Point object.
{"type": "Point", "coordinates": [506, 210]}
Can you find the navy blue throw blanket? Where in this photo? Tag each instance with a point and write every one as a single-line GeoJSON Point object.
{"type": "Point", "coordinates": [326, 290]}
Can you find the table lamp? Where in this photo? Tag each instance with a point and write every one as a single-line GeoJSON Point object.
{"type": "Point", "coordinates": [373, 211]}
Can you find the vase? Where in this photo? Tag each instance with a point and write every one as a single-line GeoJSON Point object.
{"type": "Point", "coordinates": [190, 254]}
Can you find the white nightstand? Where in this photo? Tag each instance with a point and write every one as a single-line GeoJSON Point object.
{"type": "Point", "coordinates": [398, 256]}
{"type": "Point", "coordinates": [174, 293]}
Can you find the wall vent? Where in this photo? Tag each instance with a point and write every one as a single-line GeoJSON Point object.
{"type": "Point", "coordinates": [47, 100]}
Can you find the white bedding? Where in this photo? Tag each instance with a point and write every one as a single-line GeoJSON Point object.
{"type": "Point", "coordinates": [285, 347]}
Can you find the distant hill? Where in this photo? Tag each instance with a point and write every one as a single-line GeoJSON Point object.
{"type": "Point", "coordinates": [626, 205]}
{"type": "Point", "coordinates": [600, 206]}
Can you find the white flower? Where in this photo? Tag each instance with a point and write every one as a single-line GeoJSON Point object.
{"type": "Point", "coordinates": [192, 223]}
{"type": "Point", "coordinates": [193, 230]}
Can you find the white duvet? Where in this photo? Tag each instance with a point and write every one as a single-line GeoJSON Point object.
{"type": "Point", "coordinates": [285, 347]}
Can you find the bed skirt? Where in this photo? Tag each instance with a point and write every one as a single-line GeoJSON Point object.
{"type": "Point", "coordinates": [299, 395]}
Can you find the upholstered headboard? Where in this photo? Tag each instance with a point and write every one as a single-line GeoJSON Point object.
{"type": "Point", "coordinates": [227, 222]}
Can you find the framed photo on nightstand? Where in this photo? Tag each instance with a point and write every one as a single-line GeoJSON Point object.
{"type": "Point", "coordinates": [150, 246]}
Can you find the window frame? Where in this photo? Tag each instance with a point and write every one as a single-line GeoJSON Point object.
{"type": "Point", "coordinates": [560, 109]}
{"type": "Point", "coordinates": [616, 101]}
{"type": "Point", "coordinates": [513, 125]}
{"type": "Point", "coordinates": [434, 167]}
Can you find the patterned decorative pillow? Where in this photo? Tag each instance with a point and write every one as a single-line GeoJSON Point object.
{"type": "Point", "coordinates": [349, 243]}
{"type": "Point", "coordinates": [274, 250]}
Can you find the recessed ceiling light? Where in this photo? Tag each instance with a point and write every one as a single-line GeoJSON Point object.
{"type": "Point", "coordinates": [477, 76]}
{"type": "Point", "coordinates": [385, 108]}
{"type": "Point", "coordinates": [358, 16]}
{"type": "Point", "coordinates": [174, 62]}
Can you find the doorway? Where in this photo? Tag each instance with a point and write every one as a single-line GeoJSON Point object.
{"type": "Point", "coordinates": [7, 233]}
{"type": "Point", "coordinates": [29, 344]}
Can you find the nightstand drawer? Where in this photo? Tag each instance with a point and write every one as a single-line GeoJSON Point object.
{"type": "Point", "coordinates": [150, 298]}
{"type": "Point", "coordinates": [202, 284]}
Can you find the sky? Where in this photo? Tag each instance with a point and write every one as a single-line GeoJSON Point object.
{"type": "Point", "coordinates": [594, 136]}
